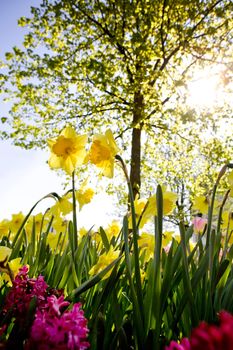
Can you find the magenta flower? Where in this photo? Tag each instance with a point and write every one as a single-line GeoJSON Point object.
{"type": "Point", "coordinates": [54, 328]}
{"type": "Point", "coordinates": [184, 345]}
{"type": "Point", "coordinates": [24, 289]}
{"type": "Point", "coordinates": [209, 337]}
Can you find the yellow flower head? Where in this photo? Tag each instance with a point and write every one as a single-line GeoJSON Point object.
{"type": "Point", "coordinates": [4, 228]}
{"type": "Point", "coordinates": [167, 238]}
{"type": "Point", "coordinates": [103, 151]}
{"type": "Point", "coordinates": [201, 204]}
{"type": "Point", "coordinates": [82, 232]}
{"type": "Point", "coordinates": [227, 220]}
{"type": "Point", "coordinates": [84, 195]}
{"type": "Point", "coordinates": [139, 205]}
{"type": "Point", "coordinates": [103, 261]}
{"type": "Point", "coordinates": [5, 252]}
{"type": "Point", "coordinates": [16, 221]}
{"type": "Point", "coordinates": [52, 239]}
{"type": "Point", "coordinates": [14, 266]}
{"type": "Point", "coordinates": [113, 229]}
{"type": "Point", "coordinates": [63, 206]}
{"type": "Point", "coordinates": [68, 150]}
{"type": "Point", "coordinates": [169, 203]}
{"type": "Point", "coordinates": [146, 242]}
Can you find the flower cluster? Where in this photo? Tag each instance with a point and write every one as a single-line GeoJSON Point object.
{"type": "Point", "coordinates": [209, 337]}
{"type": "Point", "coordinates": [24, 289]}
{"type": "Point", "coordinates": [55, 329]}
{"type": "Point", "coordinates": [53, 325]}
{"type": "Point", "coordinates": [68, 151]}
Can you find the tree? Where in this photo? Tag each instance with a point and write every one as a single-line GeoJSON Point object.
{"type": "Point", "coordinates": [117, 63]}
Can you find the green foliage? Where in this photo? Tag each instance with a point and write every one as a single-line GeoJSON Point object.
{"type": "Point", "coordinates": [134, 301]}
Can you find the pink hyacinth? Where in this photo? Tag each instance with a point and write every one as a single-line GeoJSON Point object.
{"type": "Point", "coordinates": [184, 345]}
{"type": "Point", "coordinates": [23, 290]}
{"type": "Point", "coordinates": [209, 337]}
{"type": "Point", "coordinates": [199, 224]}
{"type": "Point", "coordinates": [54, 328]}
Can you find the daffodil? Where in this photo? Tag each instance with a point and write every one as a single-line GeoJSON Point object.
{"type": "Point", "coordinates": [35, 221]}
{"type": "Point", "coordinates": [103, 151]}
{"type": "Point", "coordinates": [14, 266]}
{"type": "Point", "coordinates": [16, 222]}
{"type": "Point", "coordinates": [62, 206]}
{"type": "Point", "coordinates": [169, 203]}
{"type": "Point", "coordinates": [5, 252]}
{"type": "Point", "coordinates": [103, 261]}
{"type": "Point", "coordinates": [67, 150]}
{"type": "Point", "coordinates": [139, 206]}
{"type": "Point", "coordinates": [52, 240]}
{"type": "Point", "coordinates": [113, 229]}
{"type": "Point", "coordinates": [201, 204]}
{"type": "Point", "coordinates": [4, 228]}
{"type": "Point", "coordinates": [227, 220]}
{"type": "Point", "coordinates": [82, 232]}
{"type": "Point", "coordinates": [84, 195]}
{"type": "Point", "coordinates": [230, 180]}
{"type": "Point", "coordinates": [146, 243]}
{"type": "Point", "coordinates": [167, 238]}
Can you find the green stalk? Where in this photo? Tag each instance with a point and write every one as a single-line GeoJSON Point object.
{"type": "Point", "coordinates": [140, 335]}
{"type": "Point", "coordinates": [75, 231]}
{"type": "Point", "coordinates": [157, 258]}
{"type": "Point", "coordinates": [187, 281]}
{"type": "Point", "coordinates": [138, 285]}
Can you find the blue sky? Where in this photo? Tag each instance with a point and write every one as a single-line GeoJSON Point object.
{"type": "Point", "coordinates": [25, 176]}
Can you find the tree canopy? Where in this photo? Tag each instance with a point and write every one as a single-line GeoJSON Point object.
{"type": "Point", "coordinates": [124, 64]}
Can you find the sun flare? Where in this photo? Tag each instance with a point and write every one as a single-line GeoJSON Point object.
{"type": "Point", "coordinates": [204, 89]}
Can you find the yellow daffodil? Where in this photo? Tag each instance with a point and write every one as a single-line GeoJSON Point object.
{"type": "Point", "coordinates": [113, 229]}
{"type": "Point", "coordinates": [139, 205]}
{"type": "Point", "coordinates": [59, 224]}
{"type": "Point", "coordinates": [37, 222]}
{"type": "Point", "coordinates": [167, 238]}
{"type": "Point", "coordinates": [52, 240]}
{"type": "Point", "coordinates": [227, 220]}
{"type": "Point", "coordinates": [84, 195]}
{"type": "Point", "coordinates": [68, 150]}
{"type": "Point", "coordinates": [82, 232]}
{"type": "Point", "coordinates": [14, 266]}
{"type": "Point", "coordinates": [201, 204]}
{"type": "Point", "coordinates": [5, 252]}
{"type": "Point", "coordinates": [146, 243]}
{"type": "Point", "coordinates": [103, 261]}
{"type": "Point", "coordinates": [230, 180]}
{"type": "Point", "coordinates": [169, 203]}
{"type": "Point", "coordinates": [103, 151]}
{"type": "Point", "coordinates": [4, 228]}
{"type": "Point", "coordinates": [63, 206]}
{"type": "Point", "coordinates": [16, 221]}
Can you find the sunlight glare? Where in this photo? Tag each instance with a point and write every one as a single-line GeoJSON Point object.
{"type": "Point", "coordinates": [204, 88]}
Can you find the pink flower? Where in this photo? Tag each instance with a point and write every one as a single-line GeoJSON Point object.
{"type": "Point", "coordinates": [23, 290]}
{"type": "Point", "coordinates": [209, 337]}
{"type": "Point", "coordinates": [54, 328]}
{"type": "Point", "coordinates": [199, 224]}
{"type": "Point", "coordinates": [184, 345]}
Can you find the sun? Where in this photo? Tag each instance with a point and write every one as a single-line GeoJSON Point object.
{"type": "Point", "coordinates": [204, 89]}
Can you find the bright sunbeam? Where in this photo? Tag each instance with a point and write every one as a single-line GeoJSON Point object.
{"type": "Point", "coordinates": [203, 90]}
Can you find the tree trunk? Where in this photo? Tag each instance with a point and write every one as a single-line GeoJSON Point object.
{"type": "Point", "coordinates": [135, 165]}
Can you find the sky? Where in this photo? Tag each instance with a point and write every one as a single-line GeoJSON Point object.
{"type": "Point", "coordinates": [25, 177]}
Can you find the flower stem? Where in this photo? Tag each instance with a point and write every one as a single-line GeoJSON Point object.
{"type": "Point", "coordinates": [75, 231]}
